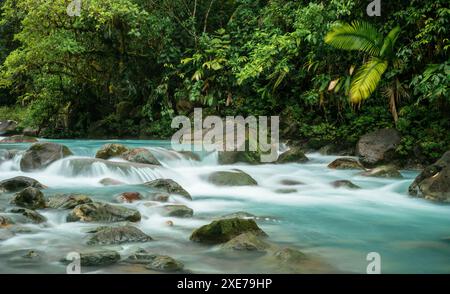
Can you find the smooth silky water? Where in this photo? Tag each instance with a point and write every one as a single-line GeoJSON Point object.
{"type": "Point", "coordinates": [338, 226]}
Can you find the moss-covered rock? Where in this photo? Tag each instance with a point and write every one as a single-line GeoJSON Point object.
{"type": "Point", "coordinates": [221, 231]}
{"type": "Point", "coordinates": [31, 198]}
{"type": "Point", "coordinates": [103, 212]}
{"type": "Point", "coordinates": [30, 215]}
{"type": "Point", "coordinates": [346, 163]}
{"type": "Point", "coordinates": [231, 178]}
{"type": "Point", "coordinates": [111, 150]}
{"type": "Point", "coordinates": [177, 210]}
{"type": "Point", "coordinates": [247, 242]}
{"type": "Point", "coordinates": [433, 183]}
{"type": "Point", "coordinates": [118, 235]}
{"type": "Point", "coordinates": [19, 183]}
{"type": "Point", "coordinates": [67, 201]}
{"type": "Point", "coordinates": [97, 258]}
{"type": "Point", "coordinates": [165, 263]}
{"type": "Point", "coordinates": [140, 155]}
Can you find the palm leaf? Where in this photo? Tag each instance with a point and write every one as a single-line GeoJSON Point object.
{"type": "Point", "coordinates": [366, 79]}
{"type": "Point", "coordinates": [359, 36]}
{"type": "Point", "coordinates": [389, 42]}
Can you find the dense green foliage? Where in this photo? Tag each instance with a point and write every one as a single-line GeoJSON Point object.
{"type": "Point", "coordinates": [124, 68]}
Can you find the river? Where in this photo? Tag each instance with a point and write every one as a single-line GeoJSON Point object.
{"type": "Point", "coordinates": [339, 226]}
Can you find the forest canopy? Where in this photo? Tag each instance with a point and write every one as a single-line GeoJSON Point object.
{"type": "Point", "coordinates": [125, 68]}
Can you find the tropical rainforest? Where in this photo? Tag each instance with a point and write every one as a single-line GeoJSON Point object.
{"type": "Point", "coordinates": [125, 68]}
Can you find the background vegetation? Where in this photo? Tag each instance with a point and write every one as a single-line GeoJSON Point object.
{"type": "Point", "coordinates": [124, 68]}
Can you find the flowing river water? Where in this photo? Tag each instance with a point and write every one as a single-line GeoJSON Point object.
{"type": "Point", "coordinates": [338, 226]}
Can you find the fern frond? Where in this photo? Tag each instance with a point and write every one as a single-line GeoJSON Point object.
{"type": "Point", "coordinates": [366, 79]}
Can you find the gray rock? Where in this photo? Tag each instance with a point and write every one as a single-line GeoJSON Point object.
{"type": "Point", "coordinates": [169, 186]}
{"type": "Point", "coordinates": [385, 171]}
{"type": "Point", "coordinates": [103, 212]}
{"type": "Point", "coordinates": [345, 184]}
{"type": "Point", "coordinates": [19, 139]}
{"type": "Point", "coordinates": [31, 198]}
{"type": "Point", "coordinates": [8, 127]}
{"type": "Point", "coordinates": [97, 258]}
{"type": "Point", "coordinates": [41, 155]}
{"type": "Point", "coordinates": [118, 235]}
{"type": "Point", "coordinates": [378, 147]}
{"type": "Point", "coordinates": [165, 264]}
{"type": "Point", "coordinates": [177, 210]}
{"type": "Point", "coordinates": [231, 178]}
{"type": "Point", "coordinates": [19, 183]}
{"type": "Point", "coordinates": [67, 201]}
{"type": "Point", "coordinates": [293, 155]}
{"type": "Point", "coordinates": [433, 183]}
{"type": "Point", "coordinates": [247, 242]}
{"type": "Point", "coordinates": [140, 155]}
{"type": "Point", "coordinates": [31, 215]}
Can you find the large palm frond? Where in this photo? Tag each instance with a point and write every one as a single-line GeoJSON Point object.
{"type": "Point", "coordinates": [367, 78]}
{"type": "Point", "coordinates": [389, 43]}
{"type": "Point", "coordinates": [360, 36]}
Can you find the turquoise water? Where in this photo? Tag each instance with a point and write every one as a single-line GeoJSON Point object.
{"type": "Point", "coordinates": [338, 226]}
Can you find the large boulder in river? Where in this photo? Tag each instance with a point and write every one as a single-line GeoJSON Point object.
{"type": "Point", "coordinates": [41, 155]}
{"type": "Point", "coordinates": [19, 183]}
{"type": "Point", "coordinates": [384, 171]}
{"type": "Point", "coordinates": [118, 235]}
{"type": "Point", "coordinates": [140, 155]}
{"type": "Point", "coordinates": [111, 150]}
{"type": "Point", "coordinates": [169, 186]}
{"type": "Point", "coordinates": [231, 178]}
{"type": "Point", "coordinates": [67, 201]}
{"type": "Point", "coordinates": [103, 212]}
{"type": "Point", "coordinates": [434, 181]}
{"type": "Point", "coordinates": [221, 231]}
{"type": "Point", "coordinates": [30, 198]}
{"type": "Point", "coordinates": [293, 155]}
{"type": "Point", "coordinates": [19, 139]}
{"type": "Point", "coordinates": [345, 163]}
{"type": "Point", "coordinates": [378, 147]}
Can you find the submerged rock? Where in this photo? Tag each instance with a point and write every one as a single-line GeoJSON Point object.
{"type": "Point", "coordinates": [290, 256]}
{"type": "Point", "coordinates": [19, 139]}
{"type": "Point", "coordinates": [165, 264]}
{"type": "Point", "coordinates": [140, 155]}
{"type": "Point", "coordinates": [239, 214]}
{"type": "Point", "coordinates": [6, 234]}
{"type": "Point", "coordinates": [345, 184]}
{"type": "Point", "coordinates": [169, 186]}
{"type": "Point", "coordinates": [346, 163]}
{"type": "Point", "coordinates": [385, 171]}
{"type": "Point", "coordinates": [103, 212]}
{"type": "Point", "coordinates": [160, 197]}
{"type": "Point", "coordinates": [221, 231]}
{"type": "Point", "coordinates": [129, 197]}
{"type": "Point", "coordinates": [111, 182]}
{"type": "Point", "coordinates": [177, 210]}
{"type": "Point", "coordinates": [5, 221]}
{"type": "Point", "coordinates": [29, 214]}
{"type": "Point", "coordinates": [231, 178]}
{"type": "Point", "coordinates": [31, 198]}
{"type": "Point", "coordinates": [291, 183]}
{"type": "Point", "coordinates": [293, 155]}
{"type": "Point", "coordinates": [97, 258]}
{"type": "Point", "coordinates": [67, 201]}
{"type": "Point", "coordinates": [19, 183]}
{"type": "Point", "coordinates": [247, 242]}
{"type": "Point", "coordinates": [118, 235]}
{"type": "Point", "coordinates": [433, 183]}
{"type": "Point", "coordinates": [111, 150]}
{"type": "Point", "coordinates": [41, 155]}
{"type": "Point", "coordinates": [378, 147]}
